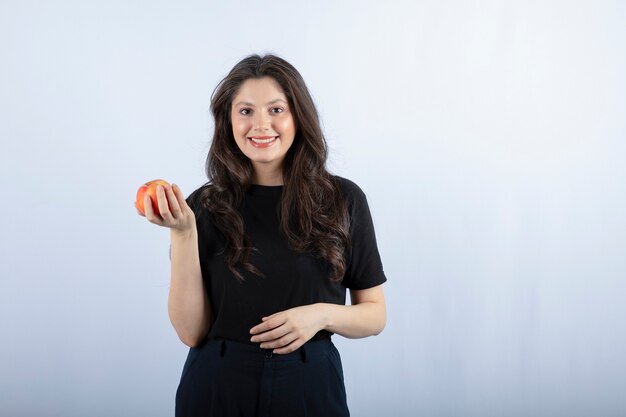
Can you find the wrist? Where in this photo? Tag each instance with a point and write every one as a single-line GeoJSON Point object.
{"type": "Point", "coordinates": [326, 316]}
{"type": "Point", "coordinates": [184, 234]}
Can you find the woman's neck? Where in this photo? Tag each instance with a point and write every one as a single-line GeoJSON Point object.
{"type": "Point", "coordinates": [267, 176]}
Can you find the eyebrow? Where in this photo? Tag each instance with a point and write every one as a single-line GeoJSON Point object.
{"type": "Point", "coordinates": [246, 103]}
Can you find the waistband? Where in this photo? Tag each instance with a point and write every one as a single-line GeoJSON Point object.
{"type": "Point", "coordinates": [310, 350]}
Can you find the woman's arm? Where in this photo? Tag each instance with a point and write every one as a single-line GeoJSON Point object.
{"type": "Point", "coordinates": [366, 316]}
{"type": "Point", "coordinates": [287, 330]}
{"type": "Point", "coordinates": [188, 305]}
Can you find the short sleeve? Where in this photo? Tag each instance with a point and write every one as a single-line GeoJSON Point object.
{"type": "Point", "coordinates": [364, 266]}
{"type": "Point", "coordinates": [193, 201]}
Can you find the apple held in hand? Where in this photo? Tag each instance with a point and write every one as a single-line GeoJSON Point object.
{"type": "Point", "coordinates": [149, 188]}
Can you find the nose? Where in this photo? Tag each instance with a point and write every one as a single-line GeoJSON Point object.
{"type": "Point", "coordinates": [262, 121]}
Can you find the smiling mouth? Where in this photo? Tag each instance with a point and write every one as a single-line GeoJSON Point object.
{"type": "Point", "coordinates": [263, 140]}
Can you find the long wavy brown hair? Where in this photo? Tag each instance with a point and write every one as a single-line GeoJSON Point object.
{"type": "Point", "coordinates": [313, 212]}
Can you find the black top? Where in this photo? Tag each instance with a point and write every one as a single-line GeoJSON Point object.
{"type": "Point", "coordinates": [291, 279]}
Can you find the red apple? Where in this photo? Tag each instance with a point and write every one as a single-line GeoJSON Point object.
{"type": "Point", "coordinates": [149, 188]}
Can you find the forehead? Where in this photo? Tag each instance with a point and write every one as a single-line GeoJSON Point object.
{"type": "Point", "coordinates": [259, 91]}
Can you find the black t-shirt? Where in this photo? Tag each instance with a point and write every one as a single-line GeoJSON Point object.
{"type": "Point", "coordinates": [291, 278]}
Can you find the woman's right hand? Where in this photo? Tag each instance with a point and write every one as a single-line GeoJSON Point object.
{"type": "Point", "coordinates": [181, 218]}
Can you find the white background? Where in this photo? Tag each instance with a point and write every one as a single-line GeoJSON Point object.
{"type": "Point", "coordinates": [488, 137]}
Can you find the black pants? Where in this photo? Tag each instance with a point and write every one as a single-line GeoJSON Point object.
{"type": "Point", "coordinates": [225, 378]}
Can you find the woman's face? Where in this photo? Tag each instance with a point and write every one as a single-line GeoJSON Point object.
{"type": "Point", "coordinates": [263, 125]}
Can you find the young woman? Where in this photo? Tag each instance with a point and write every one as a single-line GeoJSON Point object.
{"type": "Point", "coordinates": [262, 255]}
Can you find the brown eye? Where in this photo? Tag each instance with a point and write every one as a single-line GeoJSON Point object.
{"type": "Point", "coordinates": [244, 110]}
{"type": "Point", "coordinates": [278, 108]}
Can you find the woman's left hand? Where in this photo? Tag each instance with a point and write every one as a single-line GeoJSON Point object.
{"type": "Point", "coordinates": [287, 330]}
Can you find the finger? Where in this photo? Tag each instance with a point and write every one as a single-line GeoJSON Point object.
{"type": "Point", "coordinates": [268, 325]}
{"type": "Point", "coordinates": [260, 328]}
{"type": "Point", "coordinates": [280, 342]}
{"type": "Point", "coordinates": [150, 215]}
{"type": "Point", "coordinates": [180, 197]}
{"type": "Point", "coordinates": [173, 202]}
{"type": "Point", "coordinates": [270, 335]}
{"type": "Point", "coordinates": [268, 317]}
{"type": "Point", "coordinates": [138, 212]}
{"type": "Point", "coordinates": [291, 347]}
{"type": "Point", "coordinates": [164, 208]}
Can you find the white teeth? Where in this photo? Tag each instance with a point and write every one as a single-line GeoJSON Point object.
{"type": "Point", "coordinates": [262, 140]}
